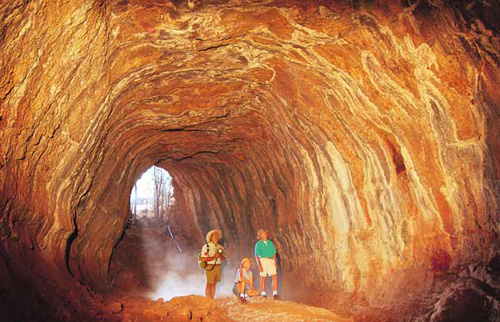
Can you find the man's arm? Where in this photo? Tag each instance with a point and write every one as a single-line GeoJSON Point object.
{"type": "Point", "coordinates": [259, 264]}
{"type": "Point", "coordinates": [257, 256]}
{"type": "Point", "coordinates": [208, 259]}
{"type": "Point", "coordinates": [205, 258]}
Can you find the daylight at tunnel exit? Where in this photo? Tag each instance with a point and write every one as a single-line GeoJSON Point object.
{"type": "Point", "coordinates": [250, 160]}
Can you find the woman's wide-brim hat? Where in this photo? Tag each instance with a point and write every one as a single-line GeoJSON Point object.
{"type": "Point", "coordinates": [210, 233]}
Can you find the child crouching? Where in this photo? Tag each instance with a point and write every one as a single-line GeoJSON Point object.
{"type": "Point", "coordinates": [243, 283]}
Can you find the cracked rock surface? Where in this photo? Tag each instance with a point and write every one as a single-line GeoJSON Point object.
{"type": "Point", "coordinates": [363, 134]}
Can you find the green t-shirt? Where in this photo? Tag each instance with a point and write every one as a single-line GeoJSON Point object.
{"type": "Point", "coordinates": [265, 249]}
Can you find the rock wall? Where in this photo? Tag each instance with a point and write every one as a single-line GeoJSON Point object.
{"type": "Point", "coordinates": [363, 134]}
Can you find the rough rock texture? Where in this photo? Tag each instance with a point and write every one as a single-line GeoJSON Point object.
{"type": "Point", "coordinates": [473, 295]}
{"type": "Point", "coordinates": [362, 133]}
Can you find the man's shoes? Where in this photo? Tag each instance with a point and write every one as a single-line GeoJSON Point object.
{"type": "Point", "coordinates": [243, 300]}
{"type": "Point", "coordinates": [276, 297]}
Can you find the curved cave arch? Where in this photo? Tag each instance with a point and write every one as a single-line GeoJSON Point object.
{"type": "Point", "coordinates": [362, 135]}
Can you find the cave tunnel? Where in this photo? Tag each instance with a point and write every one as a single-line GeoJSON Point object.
{"type": "Point", "coordinates": [363, 135]}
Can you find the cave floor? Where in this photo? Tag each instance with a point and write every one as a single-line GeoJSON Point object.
{"type": "Point", "coordinates": [199, 308]}
{"type": "Point", "coordinates": [269, 310]}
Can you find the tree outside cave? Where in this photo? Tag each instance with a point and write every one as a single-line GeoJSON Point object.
{"type": "Point", "coordinates": [152, 196]}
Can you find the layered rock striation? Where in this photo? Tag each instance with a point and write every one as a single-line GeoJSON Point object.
{"type": "Point", "coordinates": [363, 134]}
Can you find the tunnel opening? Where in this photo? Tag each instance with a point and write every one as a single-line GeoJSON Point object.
{"type": "Point", "coordinates": [151, 198]}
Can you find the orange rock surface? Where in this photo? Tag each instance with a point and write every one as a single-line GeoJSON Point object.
{"type": "Point", "coordinates": [363, 134]}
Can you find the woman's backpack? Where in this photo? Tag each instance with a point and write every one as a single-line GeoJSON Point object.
{"type": "Point", "coordinates": [202, 264]}
{"type": "Point", "coordinates": [205, 265]}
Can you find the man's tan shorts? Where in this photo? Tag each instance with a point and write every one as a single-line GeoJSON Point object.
{"type": "Point", "coordinates": [213, 275]}
{"type": "Point", "coordinates": [269, 267]}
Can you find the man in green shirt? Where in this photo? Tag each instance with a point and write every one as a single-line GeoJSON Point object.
{"type": "Point", "coordinates": [265, 254]}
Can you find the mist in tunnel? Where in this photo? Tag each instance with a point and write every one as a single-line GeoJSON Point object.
{"type": "Point", "coordinates": [169, 267]}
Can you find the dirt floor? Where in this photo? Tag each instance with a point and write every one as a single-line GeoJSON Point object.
{"type": "Point", "coordinates": [199, 308]}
